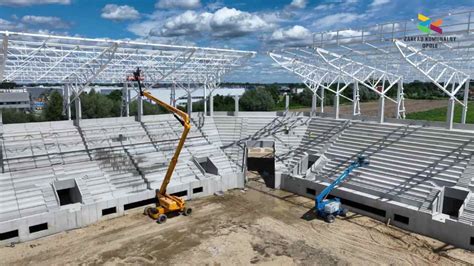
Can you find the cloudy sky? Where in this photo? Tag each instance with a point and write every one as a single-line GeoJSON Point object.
{"type": "Point", "coordinates": [246, 24]}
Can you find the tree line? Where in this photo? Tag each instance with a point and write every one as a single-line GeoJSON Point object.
{"type": "Point", "coordinates": [260, 98]}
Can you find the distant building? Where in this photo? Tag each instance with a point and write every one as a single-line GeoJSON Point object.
{"type": "Point", "coordinates": [14, 98]}
{"type": "Point", "coordinates": [284, 89]}
{"type": "Point", "coordinates": [297, 90]}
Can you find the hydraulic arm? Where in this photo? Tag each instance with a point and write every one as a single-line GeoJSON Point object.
{"type": "Point", "coordinates": [330, 208]}
{"type": "Point", "coordinates": [167, 203]}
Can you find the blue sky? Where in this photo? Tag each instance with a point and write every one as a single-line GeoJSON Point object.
{"type": "Point", "coordinates": [251, 25]}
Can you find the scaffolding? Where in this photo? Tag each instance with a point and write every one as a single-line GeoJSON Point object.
{"type": "Point", "coordinates": [381, 57]}
{"type": "Point", "coordinates": [76, 62]}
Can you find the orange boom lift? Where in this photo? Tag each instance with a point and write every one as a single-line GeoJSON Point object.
{"type": "Point", "coordinates": [167, 203]}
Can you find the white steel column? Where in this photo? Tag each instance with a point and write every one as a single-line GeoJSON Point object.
{"type": "Point", "coordinates": [211, 104]}
{"type": "Point", "coordinates": [77, 104]}
{"type": "Point", "coordinates": [336, 101]}
{"type": "Point", "coordinates": [125, 103]}
{"type": "Point", "coordinates": [314, 103]}
{"type": "Point", "coordinates": [322, 100]}
{"type": "Point", "coordinates": [67, 100]}
{"type": "Point", "coordinates": [190, 103]}
{"type": "Point", "coordinates": [287, 103]}
{"type": "Point", "coordinates": [400, 100]}
{"type": "Point", "coordinates": [465, 101]}
{"type": "Point", "coordinates": [450, 113]}
{"type": "Point", "coordinates": [173, 95]}
{"type": "Point", "coordinates": [236, 109]}
{"type": "Point", "coordinates": [205, 98]}
{"type": "Point", "coordinates": [355, 99]}
{"type": "Point", "coordinates": [382, 103]}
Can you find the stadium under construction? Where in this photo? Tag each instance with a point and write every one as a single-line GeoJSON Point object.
{"type": "Point", "coordinates": [62, 175]}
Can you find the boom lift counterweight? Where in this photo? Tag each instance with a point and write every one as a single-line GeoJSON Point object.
{"type": "Point", "coordinates": [328, 209]}
{"type": "Point", "coordinates": [167, 203]}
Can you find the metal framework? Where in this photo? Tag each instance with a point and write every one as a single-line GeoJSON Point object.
{"type": "Point", "coordinates": [77, 62]}
{"type": "Point", "coordinates": [381, 57]}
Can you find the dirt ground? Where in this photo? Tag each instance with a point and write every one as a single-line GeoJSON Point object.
{"type": "Point", "coordinates": [253, 226]}
{"type": "Point", "coordinates": [371, 108]}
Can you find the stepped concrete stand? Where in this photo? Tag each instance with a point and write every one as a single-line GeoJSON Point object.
{"type": "Point", "coordinates": [57, 176]}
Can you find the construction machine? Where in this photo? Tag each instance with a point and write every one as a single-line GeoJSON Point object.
{"type": "Point", "coordinates": [166, 203]}
{"type": "Point", "coordinates": [328, 209]}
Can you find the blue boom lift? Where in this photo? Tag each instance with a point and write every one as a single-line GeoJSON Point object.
{"type": "Point", "coordinates": [328, 209]}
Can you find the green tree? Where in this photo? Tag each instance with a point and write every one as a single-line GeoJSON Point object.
{"type": "Point", "coordinates": [274, 92]}
{"type": "Point", "coordinates": [115, 95]}
{"type": "Point", "coordinates": [257, 100]}
{"type": "Point", "coordinates": [54, 107]}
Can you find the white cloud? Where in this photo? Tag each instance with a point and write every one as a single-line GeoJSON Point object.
{"type": "Point", "coordinates": [182, 4]}
{"type": "Point", "coordinates": [298, 3]}
{"type": "Point", "coordinates": [32, 2]}
{"type": "Point", "coordinates": [377, 3]}
{"type": "Point", "coordinates": [53, 22]}
{"type": "Point", "coordinates": [116, 12]}
{"type": "Point", "coordinates": [225, 22]}
{"type": "Point", "coordinates": [337, 19]}
{"type": "Point", "coordinates": [296, 35]}
{"type": "Point", "coordinates": [188, 23]}
{"type": "Point", "coordinates": [8, 25]}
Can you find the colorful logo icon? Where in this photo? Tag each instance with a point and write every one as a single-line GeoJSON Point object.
{"type": "Point", "coordinates": [426, 25]}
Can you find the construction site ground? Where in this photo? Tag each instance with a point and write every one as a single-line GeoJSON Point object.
{"type": "Point", "coordinates": [257, 225]}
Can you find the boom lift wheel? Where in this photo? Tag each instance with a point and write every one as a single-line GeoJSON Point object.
{"type": "Point", "coordinates": [162, 219]}
{"type": "Point", "coordinates": [344, 212]}
{"type": "Point", "coordinates": [187, 211]}
{"type": "Point", "coordinates": [330, 218]}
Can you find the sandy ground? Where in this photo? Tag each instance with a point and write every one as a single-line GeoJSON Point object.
{"type": "Point", "coordinates": [253, 226]}
{"type": "Point", "coordinates": [371, 108]}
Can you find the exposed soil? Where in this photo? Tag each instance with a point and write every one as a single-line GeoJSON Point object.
{"type": "Point", "coordinates": [253, 226]}
{"type": "Point", "coordinates": [371, 108]}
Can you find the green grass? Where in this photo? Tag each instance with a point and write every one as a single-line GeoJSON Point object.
{"type": "Point", "coordinates": [439, 114]}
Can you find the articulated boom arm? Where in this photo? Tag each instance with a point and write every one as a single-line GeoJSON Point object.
{"type": "Point", "coordinates": [182, 117]}
{"type": "Point", "coordinates": [358, 163]}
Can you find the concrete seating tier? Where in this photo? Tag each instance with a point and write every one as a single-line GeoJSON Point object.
{"type": "Point", "coordinates": [407, 162]}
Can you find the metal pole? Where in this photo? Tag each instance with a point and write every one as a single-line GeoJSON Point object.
{"type": "Point", "coordinates": [400, 99]}
{"type": "Point", "coordinates": [465, 101]}
{"type": "Point", "coordinates": [355, 99]}
{"type": "Point", "coordinates": [205, 98]}
{"type": "Point", "coordinates": [67, 98]}
{"type": "Point", "coordinates": [77, 103]}
{"type": "Point", "coordinates": [173, 95]}
{"type": "Point", "coordinates": [450, 114]}
{"type": "Point", "coordinates": [336, 101]}
{"type": "Point", "coordinates": [382, 103]}
{"type": "Point", "coordinates": [190, 103]}
{"type": "Point", "coordinates": [287, 103]}
{"type": "Point", "coordinates": [127, 106]}
{"type": "Point", "coordinates": [322, 100]}
{"type": "Point", "coordinates": [314, 103]}
{"type": "Point", "coordinates": [211, 104]}
{"type": "Point", "coordinates": [236, 100]}
{"type": "Point", "coordinates": [124, 99]}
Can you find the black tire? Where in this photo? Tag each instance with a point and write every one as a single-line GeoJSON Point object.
{"type": "Point", "coordinates": [330, 218]}
{"type": "Point", "coordinates": [146, 211]}
{"type": "Point", "coordinates": [344, 212]}
{"type": "Point", "coordinates": [162, 219]}
{"type": "Point", "coordinates": [187, 211]}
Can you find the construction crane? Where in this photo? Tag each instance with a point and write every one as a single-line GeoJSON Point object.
{"type": "Point", "coordinates": [166, 203]}
{"type": "Point", "coordinates": [328, 209]}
